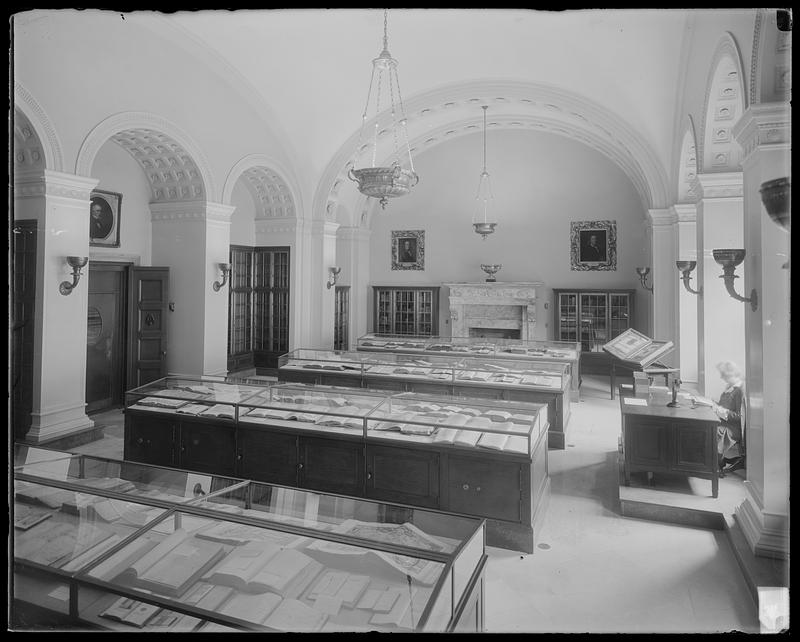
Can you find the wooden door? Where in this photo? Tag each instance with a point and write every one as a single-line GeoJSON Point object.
{"type": "Point", "coordinates": [105, 332]}
{"type": "Point", "coordinates": [22, 324]}
{"type": "Point", "coordinates": [267, 456]}
{"type": "Point", "coordinates": [148, 293]}
{"type": "Point", "coordinates": [208, 446]}
{"type": "Point", "coordinates": [484, 487]}
{"type": "Point", "coordinates": [332, 465]}
{"type": "Point", "coordinates": [403, 475]}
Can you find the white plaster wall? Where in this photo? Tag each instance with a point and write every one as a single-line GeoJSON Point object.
{"type": "Point", "coordinates": [118, 172]}
{"type": "Point", "coordinates": [243, 230]}
{"type": "Point", "coordinates": [540, 182]}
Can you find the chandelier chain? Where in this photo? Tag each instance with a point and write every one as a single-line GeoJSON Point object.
{"type": "Point", "coordinates": [385, 30]}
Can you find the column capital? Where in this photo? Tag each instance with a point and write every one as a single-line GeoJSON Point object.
{"type": "Point", "coordinates": [686, 212]}
{"type": "Point", "coordinates": [764, 125]}
{"type": "Point", "coordinates": [662, 217]}
{"type": "Point", "coordinates": [38, 183]}
{"type": "Point", "coordinates": [719, 185]}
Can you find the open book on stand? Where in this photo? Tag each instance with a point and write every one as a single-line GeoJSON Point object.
{"type": "Point", "coordinates": [636, 349]}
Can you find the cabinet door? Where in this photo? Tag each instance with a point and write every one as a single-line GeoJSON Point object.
{"type": "Point", "coordinates": [647, 443]}
{"type": "Point", "coordinates": [332, 465]}
{"type": "Point", "coordinates": [694, 448]}
{"type": "Point", "coordinates": [620, 312]}
{"type": "Point", "coordinates": [403, 475]}
{"type": "Point", "coordinates": [267, 456]}
{"type": "Point", "coordinates": [208, 447]}
{"type": "Point", "coordinates": [150, 439]}
{"type": "Point", "coordinates": [488, 488]}
{"type": "Point", "coordinates": [594, 320]}
{"type": "Point", "coordinates": [567, 317]}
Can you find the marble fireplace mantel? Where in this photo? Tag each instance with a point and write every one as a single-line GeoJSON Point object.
{"type": "Point", "coordinates": [498, 305]}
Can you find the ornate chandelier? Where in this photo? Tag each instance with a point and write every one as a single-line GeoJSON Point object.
{"type": "Point", "coordinates": [385, 182]}
{"type": "Point", "coordinates": [480, 219]}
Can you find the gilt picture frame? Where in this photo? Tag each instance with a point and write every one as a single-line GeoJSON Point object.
{"type": "Point", "coordinates": [593, 245]}
{"type": "Point", "coordinates": [105, 209]}
{"type": "Point", "coordinates": [408, 249]}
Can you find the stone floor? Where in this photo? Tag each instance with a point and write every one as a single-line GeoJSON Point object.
{"type": "Point", "coordinates": [593, 569]}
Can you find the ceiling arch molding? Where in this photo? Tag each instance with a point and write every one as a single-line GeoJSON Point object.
{"type": "Point", "coordinates": [174, 165]}
{"type": "Point", "coordinates": [41, 126]}
{"type": "Point", "coordinates": [724, 104]}
{"type": "Point", "coordinates": [450, 111]}
{"type": "Point", "coordinates": [687, 170]}
{"type": "Point", "coordinates": [264, 179]}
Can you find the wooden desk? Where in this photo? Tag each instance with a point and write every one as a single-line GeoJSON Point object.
{"type": "Point", "coordinates": [656, 438]}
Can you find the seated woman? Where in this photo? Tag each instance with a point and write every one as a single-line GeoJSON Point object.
{"type": "Point", "coordinates": [729, 409]}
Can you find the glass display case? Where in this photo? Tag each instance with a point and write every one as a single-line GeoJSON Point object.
{"type": "Point", "coordinates": [153, 549]}
{"type": "Point", "coordinates": [448, 374]}
{"type": "Point", "coordinates": [446, 368]}
{"type": "Point", "coordinates": [384, 444]}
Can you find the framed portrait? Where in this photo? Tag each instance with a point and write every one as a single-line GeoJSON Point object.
{"type": "Point", "coordinates": [408, 249]}
{"type": "Point", "coordinates": [104, 213]}
{"type": "Point", "coordinates": [593, 245]}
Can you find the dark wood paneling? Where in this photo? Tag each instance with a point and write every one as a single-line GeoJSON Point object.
{"type": "Point", "coordinates": [403, 475]}
{"type": "Point", "coordinates": [23, 239]}
{"type": "Point", "coordinates": [332, 465]}
{"type": "Point", "coordinates": [208, 447]}
{"type": "Point", "coordinates": [267, 456]}
{"type": "Point", "coordinates": [483, 487]}
{"type": "Point", "coordinates": [150, 439]}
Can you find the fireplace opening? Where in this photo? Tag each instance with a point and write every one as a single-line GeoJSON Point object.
{"type": "Point", "coordinates": [495, 333]}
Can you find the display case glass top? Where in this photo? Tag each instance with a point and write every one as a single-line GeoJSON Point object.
{"type": "Point", "coordinates": [480, 346]}
{"type": "Point", "coordinates": [242, 555]}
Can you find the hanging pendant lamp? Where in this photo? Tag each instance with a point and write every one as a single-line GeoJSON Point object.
{"type": "Point", "coordinates": [484, 197]}
{"type": "Point", "coordinates": [384, 183]}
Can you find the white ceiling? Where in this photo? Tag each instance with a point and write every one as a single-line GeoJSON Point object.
{"type": "Point", "coordinates": [312, 67]}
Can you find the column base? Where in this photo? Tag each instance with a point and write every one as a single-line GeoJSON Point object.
{"type": "Point", "coordinates": [60, 426]}
{"type": "Point", "coordinates": [766, 533]}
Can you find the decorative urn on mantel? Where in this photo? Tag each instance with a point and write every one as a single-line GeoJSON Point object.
{"type": "Point", "coordinates": [493, 306]}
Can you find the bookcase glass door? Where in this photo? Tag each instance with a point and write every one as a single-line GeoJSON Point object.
{"type": "Point", "coordinates": [594, 316]}
{"type": "Point", "coordinates": [271, 305]}
{"type": "Point", "coordinates": [568, 317]}
{"type": "Point", "coordinates": [341, 321]}
{"type": "Point", "coordinates": [408, 311]}
{"type": "Point", "coordinates": [619, 310]}
{"type": "Point", "coordinates": [240, 309]}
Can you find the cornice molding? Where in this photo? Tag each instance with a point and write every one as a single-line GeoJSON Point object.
{"type": "Point", "coordinates": [719, 185]}
{"type": "Point", "coordinates": [764, 125]}
{"type": "Point", "coordinates": [686, 212]}
{"type": "Point", "coordinates": [662, 217]}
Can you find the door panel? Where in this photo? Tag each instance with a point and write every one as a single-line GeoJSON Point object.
{"type": "Point", "coordinates": [104, 337]}
{"type": "Point", "coordinates": [147, 312]}
{"type": "Point", "coordinates": [484, 487]}
{"type": "Point", "coordinates": [267, 456]}
{"type": "Point", "coordinates": [21, 362]}
{"type": "Point", "coordinates": [403, 475]}
{"type": "Point", "coordinates": [332, 465]}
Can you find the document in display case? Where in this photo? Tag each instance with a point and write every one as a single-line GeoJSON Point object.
{"type": "Point", "coordinates": [244, 556]}
{"type": "Point", "coordinates": [495, 348]}
{"type": "Point", "coordinates": [451, 374]}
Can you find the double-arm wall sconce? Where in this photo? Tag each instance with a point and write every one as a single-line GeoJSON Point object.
{"type": "Point", "coordinates": [76, 263]}
{"type": "Point", "coordinates": [333, 277]}
{"type": "Point", "coordinates": [643, 272]}
{"type": "Point", "coordinates": [685, 268]}
{"type": "Point", "coordinates": [729, 259]}
{"type": "Point", "coordinates": [225, 268]}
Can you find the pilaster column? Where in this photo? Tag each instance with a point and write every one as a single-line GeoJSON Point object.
{"type": "Point", "coordinates": [720, 317]}
{"type": "Point", "coordinates": [764, 134]}
{"type": "Point", "coordinates": [192, 239]}
{"type": "Point", "coordinates": [59, 203]}
{"type": "Point", "coordinates": [663, 224]}
{"type": "Point", "coordinates": [686, 214]}
{"type": "Point", "coordinates": [352, 251]}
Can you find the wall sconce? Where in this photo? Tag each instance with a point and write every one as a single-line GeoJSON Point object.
{"type": "Point", "coordinates": [76, 263]}
{"type": "Point", "coordinates": [334, 276]}
{"type": "Point", "coordinates": [729, 259]}
{"type": "Point", "coordinates": [685, 268]}
{"type": "Point", "coordinates": [643, 272]}
{"type": "Point", "coordinates": [776, 195]}
{"type": "Point", "coordinates": [225, 268]}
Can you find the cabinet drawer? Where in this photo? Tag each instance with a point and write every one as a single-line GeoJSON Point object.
{"type": "Point", "coordinates": [150, 439]}
{"type": "Point", "coordinates": [403, 475]}
{"type": "Point", "coordinates": [335, 466]}
{"type": "Point", "coordinates": [486, 488]}
{"type": "Point", "coordinates": [267, 456]}
{"type": "Point", "coordinates": [208, 447]}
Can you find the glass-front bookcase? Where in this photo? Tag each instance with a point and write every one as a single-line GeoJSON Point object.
{"type": "Point", "coordinates": [592, 317]}
{"type": "Point", "coordinates": [406, 310]}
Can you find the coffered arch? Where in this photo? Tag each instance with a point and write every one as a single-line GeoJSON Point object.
{"type": "Point", "coordinates": [175, 167]}
{"type": "Point", "coordinates": [687, 170]}
{"type": "Point", "coordinates": [264, 179]}
{"type": "Point", "coordinates": [34, 136]}
{"type": "Point", "coordinates": [445, 113]}
{"type": "Point", "coordinates": [723, 107]}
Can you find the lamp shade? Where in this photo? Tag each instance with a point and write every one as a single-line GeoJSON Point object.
{"type": "Point", "coordinates": [776, 195]}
